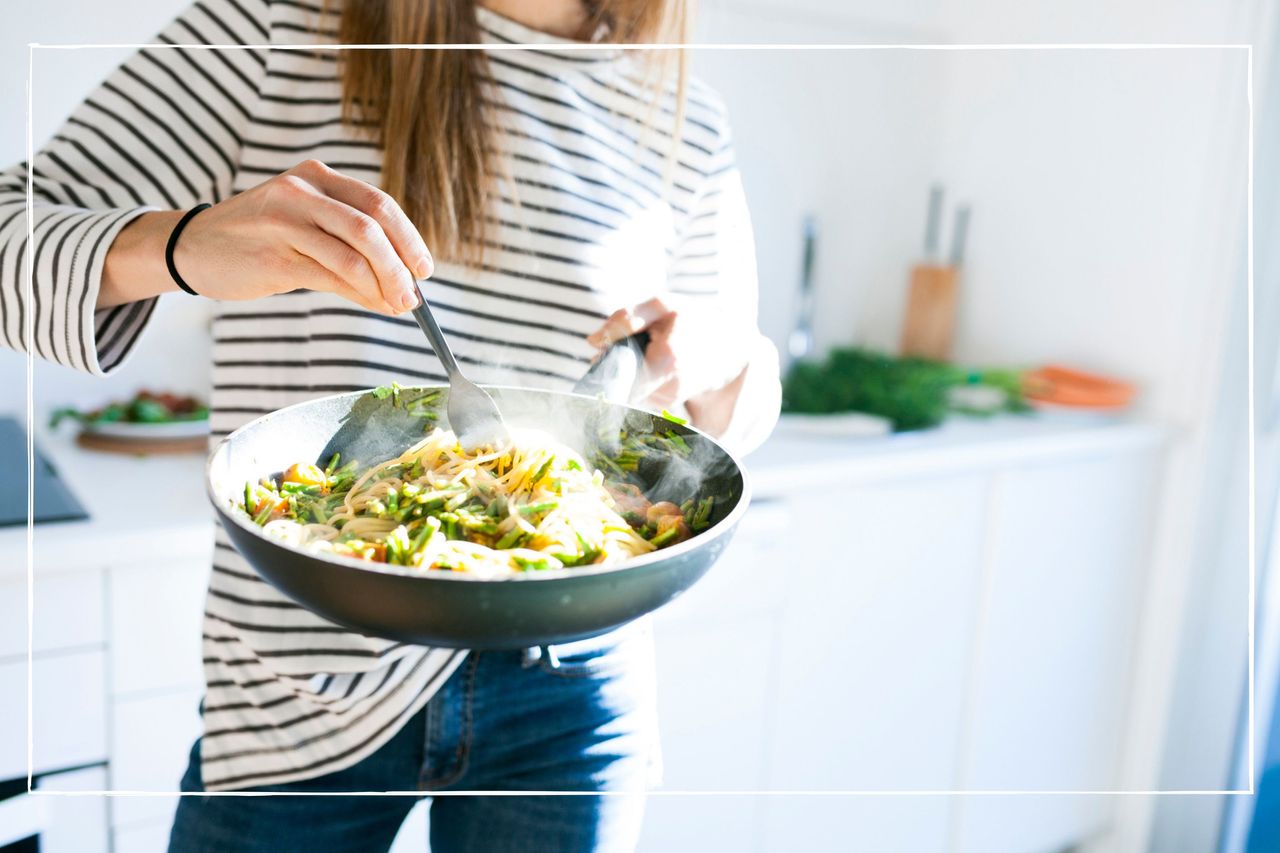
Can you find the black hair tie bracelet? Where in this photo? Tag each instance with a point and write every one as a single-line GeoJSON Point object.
{"type": "Point", "coordinates": [173, 242]}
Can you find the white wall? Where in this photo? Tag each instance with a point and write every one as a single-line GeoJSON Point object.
{"type": "Point", "coordinates": [175, 353]}
{"type": "Point", "coordinates": [1091, 21]}
{"type": "Point", "coordinates": [1098, 206]}
{"type": "Point", "coordinates": [1189, 352]}
{"type": "Point", "coordinates": [848, 136]}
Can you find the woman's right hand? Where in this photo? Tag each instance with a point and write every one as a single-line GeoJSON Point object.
{"type": "Point", "coordinates": [309, 228]}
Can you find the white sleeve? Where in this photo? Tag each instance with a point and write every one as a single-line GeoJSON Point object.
{"type": "Point", "coordinates": [713, 269]}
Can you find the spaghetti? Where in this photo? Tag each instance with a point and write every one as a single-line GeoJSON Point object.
{"type": "Point", "coordinates": [532, 504]}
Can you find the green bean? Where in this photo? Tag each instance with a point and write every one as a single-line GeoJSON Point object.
{"type": "Point", "coordinates": [261, 518]}
{"type": "Point", "coordinates": [535, 564]}
{"type": "Point", "coordinates": [511, 539]}
{"type": "Point", "coordinates": [541, 472]}
{"type": "Point", "coordinates": [665, 537]}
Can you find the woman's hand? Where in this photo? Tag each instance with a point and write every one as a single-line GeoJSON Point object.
{"type": "Point", "coordinates": [310, 228]}
{"type": "Point", "coordinates": [692, 359]}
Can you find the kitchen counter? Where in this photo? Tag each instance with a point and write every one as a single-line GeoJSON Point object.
{"type": "Point", "coordinates": [794, 459]}
{"type": "Point", "coordinates": [137, 505]}
{"type": "Point", "coordinates": [153, 506]}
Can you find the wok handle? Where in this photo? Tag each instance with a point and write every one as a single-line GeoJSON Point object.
{"type": "Point", "coordinates": [617, 371]}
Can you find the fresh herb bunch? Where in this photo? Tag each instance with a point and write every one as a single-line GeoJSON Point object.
{"type": "Point", "coordinates": [913, 393]}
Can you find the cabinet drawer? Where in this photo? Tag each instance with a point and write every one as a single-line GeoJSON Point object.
{"type": "Point", "coordinates": [150, 740]}
{"type": "Point", "coordinates": [156, 614]}
{"type": "Point", "coordinates": [68, 613]}
{"type": "Point", "coordinates": [76, 824]}
{"type": "Point", "coordinates": [147, 838]}
{"type": "Point", "coordinates": [68, 699]}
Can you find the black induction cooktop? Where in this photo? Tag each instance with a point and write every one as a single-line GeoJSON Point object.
{"type": "Point", "coordinates": [53, 500]}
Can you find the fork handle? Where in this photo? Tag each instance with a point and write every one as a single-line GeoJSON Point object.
{"type": "Point", "coordinates": [427, 321]}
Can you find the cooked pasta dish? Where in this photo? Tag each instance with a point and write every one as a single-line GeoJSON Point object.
{"type": "Point", "coordinates": [533, 504]}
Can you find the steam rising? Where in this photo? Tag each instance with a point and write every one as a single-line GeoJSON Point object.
{"type": "Point", "coordinates": [663, 476]}
{"type": "Point", "coordinates": [591, 429]}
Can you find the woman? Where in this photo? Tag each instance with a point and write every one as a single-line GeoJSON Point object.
{"type": "Point", "coordinates": [569, 197]}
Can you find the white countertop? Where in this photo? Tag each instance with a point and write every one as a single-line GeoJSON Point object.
{"type": "Point", "coordinates": [137, 505]}
{"type": "Point", "coordinates": [156, 506]}
{"type": "Point", "coordinates": [794, 459]}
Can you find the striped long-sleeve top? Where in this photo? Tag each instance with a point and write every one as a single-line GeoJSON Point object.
{"type": "Point", "coordinates": [586, 220]}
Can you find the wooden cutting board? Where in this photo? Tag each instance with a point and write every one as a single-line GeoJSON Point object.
{"type": "Point", "coordinates": [143, 446]}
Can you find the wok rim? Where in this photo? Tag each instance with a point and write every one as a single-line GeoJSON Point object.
{"type": "Point", "coordinates": [722, 528]}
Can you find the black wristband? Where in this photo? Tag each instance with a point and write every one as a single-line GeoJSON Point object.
{"type": "Point", "coordinates": [173, 242]}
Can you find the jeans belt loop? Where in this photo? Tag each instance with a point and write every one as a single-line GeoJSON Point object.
{"type": "Point", "coordinates": [540, 654]}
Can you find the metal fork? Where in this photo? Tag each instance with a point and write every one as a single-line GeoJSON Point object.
{"type": "Point", "coordinates": [473, 415]}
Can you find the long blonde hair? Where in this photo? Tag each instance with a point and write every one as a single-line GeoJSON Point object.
{"type": "Point", "coordinates": [426, 108]}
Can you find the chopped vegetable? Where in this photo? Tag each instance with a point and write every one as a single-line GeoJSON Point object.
{"type": "Point", "coordinates": [382, 392]}
{"type": "Point", "coordinates": [530, 508]}
{"type": "Point", "coordinates": [306, 475]}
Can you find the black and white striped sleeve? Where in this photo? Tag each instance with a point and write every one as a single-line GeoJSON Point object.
{"type": "Point", "coordinates": [164, 131]}
{"type": "Point", "coordinates": [713, 273]}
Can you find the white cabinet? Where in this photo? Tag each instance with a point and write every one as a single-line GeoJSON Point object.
{"type": "Point", "coordinates": [69, 726]}
{"type": "Point", "coordinates": [156, 685]}
{"type": "Point", "coordinates": [75, 824]}
{"type": "Point", "coordinates": [840, 824]}
{"type": "Point", "coordinates": [955, 618]}
{"type": "Point", "coordinates": [67, 675]}
{"type": "Point", "coordinates": [151, 738]}
{"type": "Point", "coordinates": [156, 612]}
{"type": "Point", "coordinates": [147, 838]}
{"type": "Point", "coordinates": [116, 677]}
{"type": "Point", "coordinates": [875, 635]}
{"type": "Point", "coordinates": [704, 823]}
{"type": "Point", "coordinates": [849, 675]}
{"type": "Point", "coordinates": [67, 607]}
{"type": "Point", "coordinates": [1063, 597]}
{"type": "Point", "coordinates": [709, 709]}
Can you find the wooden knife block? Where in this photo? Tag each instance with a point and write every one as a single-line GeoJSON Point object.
{"type": "Point", "coordinates": [929, 324]}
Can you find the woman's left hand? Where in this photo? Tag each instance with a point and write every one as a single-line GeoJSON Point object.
{"type": "Point", "coordinates": [690, 355]}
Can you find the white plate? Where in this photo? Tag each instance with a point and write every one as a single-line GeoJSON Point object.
{"type": "Point", "coordinates": [144, 432]}
{"type": "Point", "coordinates": [846, 425]}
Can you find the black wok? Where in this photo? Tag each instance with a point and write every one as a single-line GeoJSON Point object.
{"type": "Point", "coordinates": [452, 609]}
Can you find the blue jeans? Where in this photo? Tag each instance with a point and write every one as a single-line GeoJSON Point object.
{"type": "Point", "coordinates": [504, 721]}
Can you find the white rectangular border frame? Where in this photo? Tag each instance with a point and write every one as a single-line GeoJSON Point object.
{"type": "Point", "coordinates": [29, 332]}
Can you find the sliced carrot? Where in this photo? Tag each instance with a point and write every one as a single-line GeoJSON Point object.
{"type": "Point", "coordinates": [1064, 386]}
